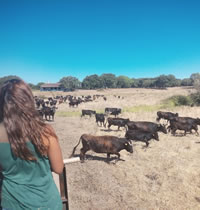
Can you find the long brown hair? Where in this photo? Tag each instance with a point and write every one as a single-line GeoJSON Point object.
{"type": "Point", "coordinates": [21, 119]}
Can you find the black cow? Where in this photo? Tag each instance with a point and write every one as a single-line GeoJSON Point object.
{"type": "Point", "coordinates": [100, 118]}
{"type": "Point", "coordinates": [187, 120]}
{"type": "Point", "coordinates": [174, 125]}
{"type": "Point", "coordinates": [103, 144]}
{"type": "Point", "coordinates": [120, 122]}
{"type": "Point", "coordinates": [113, 111]}
{"type": "Point", "coordinates": [147, 126]}
{"type": "Point", "coordinates": [116, 112]}
{"type": "Point", "coordinates": [184, 123]}
{"type": "Point", "coordinates": [39, 102]}
{"type": "Point", "coordinates": [48, 112]}
{"type": "Point", "coordinates": [166, 115]}
{"type": "Point", "coordinates": [139, 135]}
{"type": "Point", "coordinates": [88, 112]}
{"type": "Point", "coordinates": [41, 113]}
{"type": "Point", "coordinates": [74, 102]}
{"type": "Point", "coordinates": [53, 102]}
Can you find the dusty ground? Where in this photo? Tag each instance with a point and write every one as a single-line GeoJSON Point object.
{"type": "Point", "coordinates": [165, 176]}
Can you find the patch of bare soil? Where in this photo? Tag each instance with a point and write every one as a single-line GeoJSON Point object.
{"type": "Point", "coordinates": [164, 176]}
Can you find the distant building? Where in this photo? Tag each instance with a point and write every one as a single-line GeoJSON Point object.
{"type": "Point", "coordinates": [51, 87]}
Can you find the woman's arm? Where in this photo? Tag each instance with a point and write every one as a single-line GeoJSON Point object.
{"type": "Point", "coordinates": [54, 153]}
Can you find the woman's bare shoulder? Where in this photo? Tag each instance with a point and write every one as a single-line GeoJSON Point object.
{"type": "Point", "coordinates": [48, 134]}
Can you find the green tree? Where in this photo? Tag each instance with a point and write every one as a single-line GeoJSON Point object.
{"type": "Point", "coordinates": [39, 85]}
{"type": "Point", "coordinates": [148, 83]}
{"type": "Point", "coordinates": [70, 82]}
{"type": "Point", "coordinates": [161, 81]}
{"type": "Point", "coordinates": [172, 81]}
{"type": "Point", "coordinates": [195, 78]}
{"type": "Point", "coordinates": [140, 82]}
{"type": "Point", "coordinates": [108, 80]}
{"type": "Point", "coordinates": [32, 86]}
{"type": "Point", "coordinates": [123, 82]}
{"type": "Point", "coordinates": [92, 82]}
{"type": "Point", "coordinates": [134, 83]}
{"type": "Point", "coordinates": [36, 87]}
{"type": "Point", "coordinates": [186, 82]}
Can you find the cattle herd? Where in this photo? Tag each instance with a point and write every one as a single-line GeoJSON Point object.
{"type": "Point", "coordinates": [142, 131]}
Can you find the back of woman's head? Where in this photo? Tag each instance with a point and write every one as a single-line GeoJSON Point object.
{"type": "Point", "coordinates": [21, 119]}
{"type": "Point", "coordinates": [16, 98]}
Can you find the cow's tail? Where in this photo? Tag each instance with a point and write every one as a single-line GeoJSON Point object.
{"type": "Point", "coordinates": [75, 147]}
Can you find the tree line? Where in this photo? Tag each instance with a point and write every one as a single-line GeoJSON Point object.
{"type": "Point", "coordinates": [112, 81]}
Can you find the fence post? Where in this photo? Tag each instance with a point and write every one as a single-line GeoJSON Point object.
{"type": "Point", "coordinates": [63, 189]}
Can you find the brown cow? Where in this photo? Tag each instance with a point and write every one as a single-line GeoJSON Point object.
{"type": "Point", "coordinates": [103, 144]}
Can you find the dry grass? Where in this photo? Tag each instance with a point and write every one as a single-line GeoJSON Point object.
{"type": "Point", "coordinates": [165, 176]}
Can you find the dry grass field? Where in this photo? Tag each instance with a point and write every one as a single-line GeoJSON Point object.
{"type": "Point", "coordinates": [165, 176]}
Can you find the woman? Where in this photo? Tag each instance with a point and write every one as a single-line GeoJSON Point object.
{"type": "Point", "coordinates": [29, 151]}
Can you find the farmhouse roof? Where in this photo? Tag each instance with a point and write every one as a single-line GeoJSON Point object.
{"type": "Point", "coordinates": [47, 85]}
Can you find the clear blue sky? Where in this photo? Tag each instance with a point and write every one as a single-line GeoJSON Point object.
{"type": "Point", "coordinates": [45, 40]}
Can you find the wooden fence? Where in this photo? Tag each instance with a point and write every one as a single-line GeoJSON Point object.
{"type": "Point", "coordinates": [63, 183]}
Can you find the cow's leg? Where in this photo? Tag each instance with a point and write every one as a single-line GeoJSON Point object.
{"type": "Point", "coordinates": [156, 136]}
{"type": "Point", "coordinates": [173, 131]}
{"type": "Point", "coordinates": [169, 128]}
{"type": "Point", "coordinates": [83, 150]}
{"type": "Point", "coordinates": [108, 156]}
{"type": "Point", "coordinates": [158, 119]}
{"type": "Point", "coordinates": [82, 153]}
{"type": "Point", "coordinates": [196, 130]}
{"type": "Point", "coordinates": [146, 141]}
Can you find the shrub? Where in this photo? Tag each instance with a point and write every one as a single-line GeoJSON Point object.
{"type": "Point", "coordinates": [195, 97]}
{"type": "Point", "coordinates": [179, 100]}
